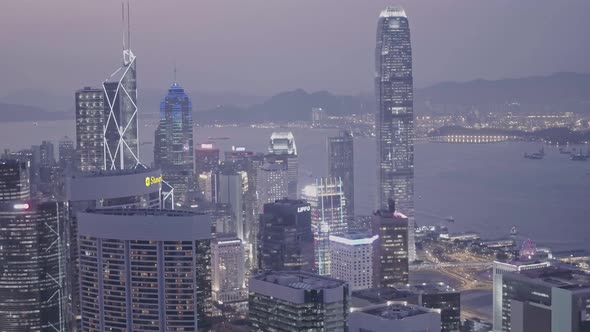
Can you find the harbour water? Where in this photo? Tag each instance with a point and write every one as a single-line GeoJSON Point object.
{"type": "Point", "coordinates": [487, 188]}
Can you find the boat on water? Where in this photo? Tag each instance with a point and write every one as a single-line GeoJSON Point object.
{"type": "Point", "coordinates": [450, 219]}
{"type": "Point", "coordinates": [579, 157]}
{"type": "Point", "coordinates": [513, 231]}
{"type": "Point", "coordinates": [223, 138]}
{"type": "Point", "coordinates": [536, 155]}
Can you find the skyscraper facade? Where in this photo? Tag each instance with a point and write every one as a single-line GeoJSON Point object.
{"type": "Point", "coordinates": [46, 154]}
{"type": "Point", "coordinates": [14, 180]}
{"type": "Point", "coordinates": [67, 154]}
{"type": "Point", "coordinates": [285, 239]}
{"type": "Point", "coordinates": [390, 255]}
{"type": "Point", "coordinates": [272, 183]}
{"type": "Point", "coordinates": [121, 118]}
{"type": "Point", "coordinates": [328, 217]}
{"type": "Point", "coordinates": [283, 149]}
{"type": "Point", "coordinates": [550, 299]}
{"type": "Point", "coordinates": [498, 271]}
{"type": "Point", "coordinates": [90, 108]}
{"type": "Point", "coordinates": [32, 256]}
{"type": "Point", "coordinates": [352, 259]}
{"type": "Point", "coordinates": [173, 143]}
{"type": "Point", "coordinates": [127, 189]}
{"type": "Point", "coordinates": [228, 269]}
{"type": "Point", "coordinates": [144, 270]}
{"type": "Point", "coordinates": [230, 191]}
{"type": "Point", "coordinates": [395, 114]}
{"type": "Point", "coordinates": [341, 166]}
{"type": "Point", "coordinates": [206, 158]}
{"type": "Point", "coordinates": [297, 301]}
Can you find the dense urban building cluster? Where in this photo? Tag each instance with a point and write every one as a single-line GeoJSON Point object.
{"type": "Point", "coordinates": [97, 241]}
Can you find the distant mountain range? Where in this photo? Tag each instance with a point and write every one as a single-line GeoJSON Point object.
{"type": "Point", "coordinates": [558, 92]}
{"type": "Point", "coordinates": [554, 93]}
{"type": "Point", "coordinates": [288, 106]}
{"type": "Point", "coordinates": [14, 112]}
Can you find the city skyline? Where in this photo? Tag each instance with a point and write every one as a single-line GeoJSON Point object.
{"type": "Point", "coordinates": [311, 221]}
{"type": "Point", "coordinates": [437, 31]}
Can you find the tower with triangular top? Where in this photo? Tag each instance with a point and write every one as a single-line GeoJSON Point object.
{"type": "Point", "coordinates": [121, 141]}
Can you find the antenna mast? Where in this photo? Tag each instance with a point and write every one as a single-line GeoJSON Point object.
{"type": "Point", "coordinates": [123, 23]}
{"type": "Point", "coordinates": [128, 26]}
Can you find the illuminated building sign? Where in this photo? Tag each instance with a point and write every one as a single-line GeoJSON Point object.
{"type": "Point", "coordinates": [151, 180]}
{"type": "Point", "coordinates": [303, 209]}
{"type": "Point", "coordinates": [21, 206]}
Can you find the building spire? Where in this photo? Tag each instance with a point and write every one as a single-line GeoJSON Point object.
{"type": "Point", "coordinates": [174, 71]}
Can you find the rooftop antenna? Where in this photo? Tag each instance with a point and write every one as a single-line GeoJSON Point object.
{"type": "Point", "coordinates": [123, 23]}
{"type": "Point", "coordinates": [128, 26]}
{"type": "Point", "coordinates": [174, 71]}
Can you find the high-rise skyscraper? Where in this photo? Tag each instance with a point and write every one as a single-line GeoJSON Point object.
{"type": "Point", "coordinates": [341, 166]}
{"type": "Point", "coordinates": [121, 117]}
{"type": "Point", "coordinates": [228, 270]}
{"type": "Point", "coordinates": [46, 154]}
{"type": "Point", "coordinates": [144, 270]}
{"type": "Point", "coordinates": [390, 255]}
{"type": "Point", "coordinates": [285, 239]}
{"type": "Point", "coordinates": [14, 180]}
{"type": "Point", "coordinates": [128, 189]}
{"type": "Point", "coordinates": [395, 115]}
{"type": "Point", "coordinates": [230, 191]}
{"type": "Point", "coordinates": [297, 301]}
{"type": "Point", "coordinates": [90, 110]}
{"type": "Point", "coordinates": [67, 154]}
{"type": "Point", "coordinates": [499, 269]}
{"type": "Point", "coordinates": [32, 282]}
{"type": "Point", "coordinates": [206, 158]}
{"type": "Point", "coordinates": [328, 217]}
{"type": "Point", "coordinates": [32, 256]}
{"type": "Point", "coordinates": [272, 183]}
{"type": "Point", "coordinates": [442, 298]}
{"type": "Point", "coordinates": [283, 149]}
{"type": "Point", "coordinates": [352, 259]}
{"type": "Point", "coordinates": [173, 143]}
{"type": "Point", "coordinates": [550, 299]}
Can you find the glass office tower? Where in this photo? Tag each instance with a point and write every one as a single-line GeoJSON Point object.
{"type": "Point", "coordinates": [32, 256]}
{"type": "Point", "coordinates": [285, 240]}
{"type": "Point", "coordinates": [121, 143]}
{"type": "Point", "coordinates": [341, 165]}
{"type": "Point", "coordinates": [395, 115]}
{"type": "Point", "coordinates": [328, 217]}
{"type": "Point", "coordinates": [173, 144]}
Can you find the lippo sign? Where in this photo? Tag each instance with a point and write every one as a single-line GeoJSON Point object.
{"type": "Point", "coordinates": [303, 209]}
{"type": "Point", "coordinates": [151, 180]}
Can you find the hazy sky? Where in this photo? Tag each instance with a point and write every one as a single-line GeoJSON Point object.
{"type": "Point", "coordinates": [266, 46]}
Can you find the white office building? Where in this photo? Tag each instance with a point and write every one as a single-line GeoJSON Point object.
{"type": "Point", "coordinates": [228, 269]}
{"type": "Point", "coordinates": [272, 184]}
{"type": "Point", "coordinates": [352, 257]}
